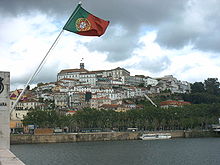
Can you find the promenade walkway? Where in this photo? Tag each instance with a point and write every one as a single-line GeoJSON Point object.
{"type": "Point", "coordinates": [8, 158]}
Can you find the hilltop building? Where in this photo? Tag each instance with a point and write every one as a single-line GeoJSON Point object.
{"type": "Point", "coordinates": [102, 89]}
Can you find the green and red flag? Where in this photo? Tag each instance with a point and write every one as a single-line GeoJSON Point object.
{"type": "Point", "coordinates": [86, 24]}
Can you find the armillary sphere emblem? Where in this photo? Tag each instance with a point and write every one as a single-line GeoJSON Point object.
{"type": "Point", "coordinates": [1, 85]}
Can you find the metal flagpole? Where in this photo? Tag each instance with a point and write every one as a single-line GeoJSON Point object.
{"type": "Point", "coordinates": [41, 64]}
{"type": "Point", "coordinates": [36, 72]}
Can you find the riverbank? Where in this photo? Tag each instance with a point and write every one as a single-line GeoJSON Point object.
{"type": "Point", "coordinates": [100, 136]}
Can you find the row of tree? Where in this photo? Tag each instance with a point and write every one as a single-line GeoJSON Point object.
{"type": "Point", "coordinates": [204, 111]}
{"type": "Point", "coordinates": [150, 118]}
{"type": "Point", "coordinates": [210, 86]}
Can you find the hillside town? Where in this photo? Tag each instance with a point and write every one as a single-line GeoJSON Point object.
{"type": "Point", "coordinates": [76, 89]}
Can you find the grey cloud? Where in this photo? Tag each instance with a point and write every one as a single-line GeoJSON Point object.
{"type": "Point", "coordinates": [209, 42]}
{"type": "Point", "coordinates": [154, 66]}
{"type": "Point", "coordinates": [166, 16]}
{"type": "Point", "coordinates": [119, 11]}
{"type": "Point", "coordinates": [46, 74]}
{"type": "Point", "coordinates": [129, 14]}
{"type": "Point", "coordinates": [203, 35]}
{"type": "Point", "coordinates": [118, 47]}
{"type": "Point", "coordinates": [17, 7]}
{"type": "Point", "coordinates": [177, 36]}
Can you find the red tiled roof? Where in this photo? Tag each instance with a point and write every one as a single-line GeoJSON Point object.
{"type": "Point", "coordinates": [92, 72]}
{"type": "Point", "coordinates": [71, 111]}
{"type": "Point", "coordinates": [173, 102]}
{"type": "Point", "coordinates": [110, 106]}
{"type": "Point", "coordinates": [73, 70]}
{"type": "Point", "coordinates": [101, 98]}
{"type": "Point", "coordinates": [69, 79]}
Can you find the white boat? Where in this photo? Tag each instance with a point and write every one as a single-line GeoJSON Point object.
{"type": "Point", "coordinates": [155, 136]}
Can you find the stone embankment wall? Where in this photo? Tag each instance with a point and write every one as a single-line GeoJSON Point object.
{"type": "Point", "coordinates": [200, 134]}
{"type": "Point", "coordinates": [73, 137]}
{"type": "Point", "coordinates": [102, 136]}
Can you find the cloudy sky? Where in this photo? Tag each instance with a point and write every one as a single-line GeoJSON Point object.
{"type": "Point", "coordinates": [149, 37]}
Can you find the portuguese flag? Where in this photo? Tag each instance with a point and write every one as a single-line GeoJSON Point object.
{"type": "Point", "coordinates": [86, 24]}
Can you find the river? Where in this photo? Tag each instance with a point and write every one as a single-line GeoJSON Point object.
{"type": "Point", "coordinates": [182, 151]}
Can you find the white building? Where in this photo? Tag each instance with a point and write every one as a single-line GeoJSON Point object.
{"type": "Point", "coordinates": [91, 77]}
{"type": "Point", "coordinates": [68, 82]}
{"type": "Point", "coordinates": [150, 81]}
{"type": "Point", "coordinates": [28, 105]}
{"type": "Point", "coordinates": [61, 99]}
{"type": "Point", "coordinates": [45, 86]}
{"type": "Point", "coordinates": [71, 73]}
{"type": "Point", "coordinates": [98, 102]}
{"type": "Point", "coordinates": [133, 80]}
{"type": "Point", "coordinates": [88, 78]}
{"type": "Point", "coordinates": [171, 83]}
{"type": "Point", "coordinates": [19, 114]}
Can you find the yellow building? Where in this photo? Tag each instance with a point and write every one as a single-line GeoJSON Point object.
{"type": "Point", "coordinates": [16, 126]}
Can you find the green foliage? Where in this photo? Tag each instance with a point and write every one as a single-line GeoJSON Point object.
{"type": "Point", "coordinates": [199, 98]}
{"type": "Point", "coordinates": [141, 85]}
{"type": "Point", "coordinates": [212, 86]}
{"type": "Point", "coordinates": [197, 87]}
{"type": "Point", "coordinates": [149, 118]}
{"type": "Point", "coordinates": [42, 119]}
{"type": "Point", "coordinates": [207, 92]}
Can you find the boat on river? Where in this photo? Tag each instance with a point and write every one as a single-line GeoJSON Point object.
{"type": "Point", "coordinates": [155, 136]}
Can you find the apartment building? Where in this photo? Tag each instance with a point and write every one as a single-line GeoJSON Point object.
{"type": "Point", "coordinates": [28, 105]}
{"type": "Point", "coordinates": [98, 102]}
{"type": "Point", "coordinates": [61, 99]}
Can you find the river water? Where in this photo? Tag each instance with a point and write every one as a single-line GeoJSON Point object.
{"type": "Point", "coordinates": [183, 151]}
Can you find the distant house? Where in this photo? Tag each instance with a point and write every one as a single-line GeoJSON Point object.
{"type": "Point", "coordinates": [77, 99]}
{"type": "Point", "coordinates": [173, 103]}
{"type": "Point", "coordinates": [150, 81]}
{"type": "Point", "coordinates": [68, 82]}
{"type": "Point", "coordinates": [15, 94]}
{"type": "Point", "coordinates": [133, 80]}
{"type": "Point", "coordinates": [169, 82]}
{"type": "Point", "coordinates": [45, 86]}
{"type": "Point", "coordinates": [16, 126]}
{"type": "Point", "coordinates": [19, 114]}
{"type": "Point", "coordinates": [28, 105]}
{"type": "Point", "coordinates": [113, 107]}
{"type": "Point", "coordinates": [61, 99]}
{"type": "Point", "coordinates": [70, 112]}
{"type": "Point", "coordinates": [98, 102]}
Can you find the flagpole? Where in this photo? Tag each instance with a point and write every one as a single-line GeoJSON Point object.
{"type": "Point", "coordinates": [36, 72]}
{"type": "Point", "coordinates": [41, 64]}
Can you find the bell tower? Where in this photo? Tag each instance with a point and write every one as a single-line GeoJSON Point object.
{"type": "Point", "coordinates": [82, 64]}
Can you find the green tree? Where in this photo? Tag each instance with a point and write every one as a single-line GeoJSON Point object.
{"type": "Point", "coordinates": [197, 87]}
{"type": "Point", "coordinates": [43, 119]}
{"type": "Point", "coordinates": [212, 86]}
{"type": "Point", "coordinates": [141, 85]}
